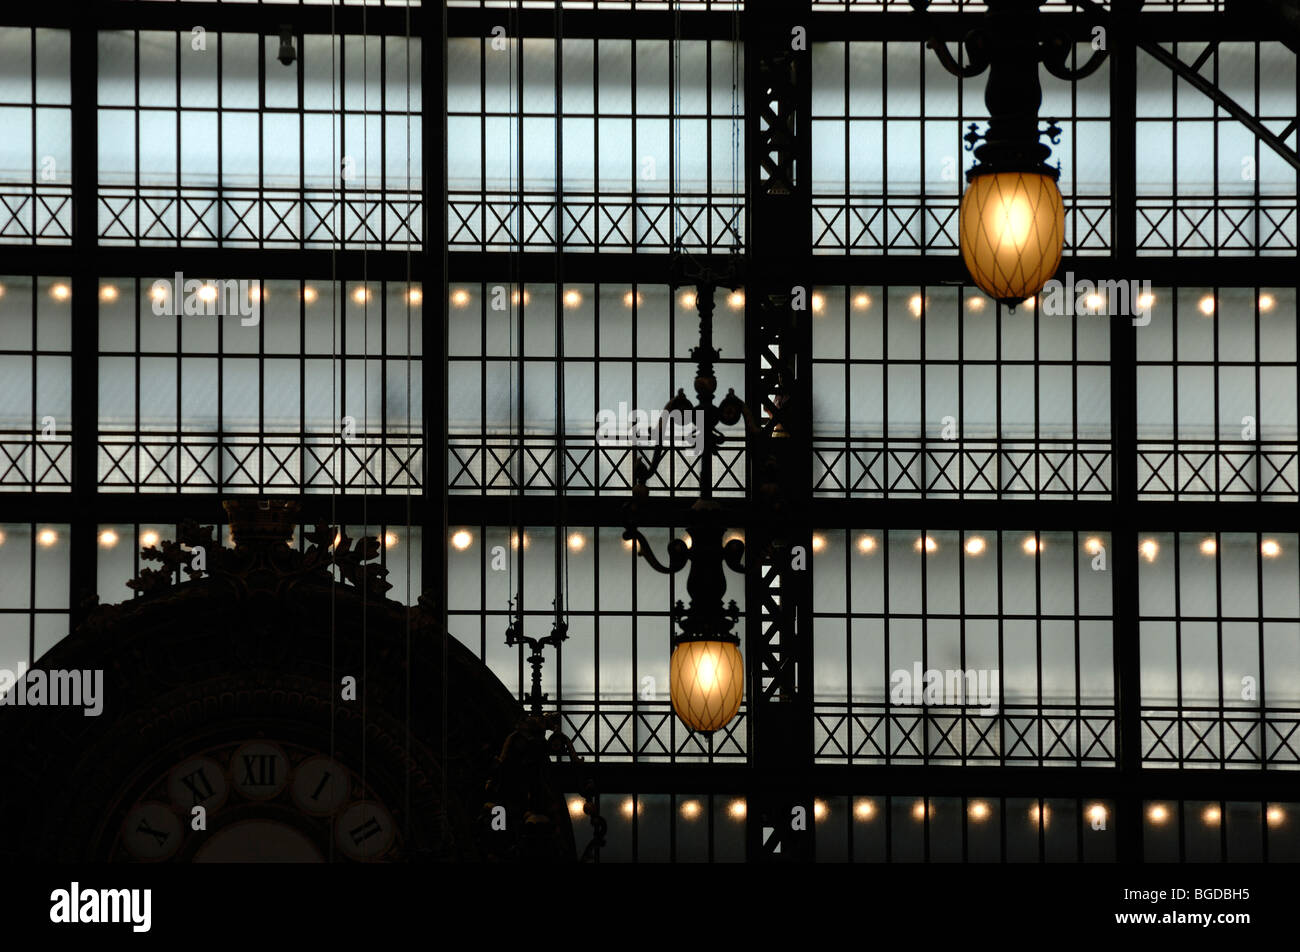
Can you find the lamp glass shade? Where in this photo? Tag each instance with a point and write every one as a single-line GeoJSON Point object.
{"type": "Point", "coordinates": [707, 682]}
{"type": "Point", "coordinates": [1012, 227]}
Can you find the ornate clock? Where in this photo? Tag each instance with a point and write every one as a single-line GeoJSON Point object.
{"type": "Point", "coordinates": [228, 732]}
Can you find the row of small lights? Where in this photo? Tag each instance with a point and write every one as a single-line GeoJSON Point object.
{"type": "Point", "coordinates": [208, 293]}
{"type": "Point", "coordinates": [976, 546]}
{"type": "Point", "coordinates": [977, 810]}
{"type": "Point", "coordinates": [462, 539]}
{"type": "Point", "coordinates": [736, 300]}
{"type": "Point", "coordinates": [109, 538]}
{"type": "Point", "coordinates": [916, 303]}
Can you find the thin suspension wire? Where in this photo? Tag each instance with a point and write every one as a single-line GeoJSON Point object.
{"type": "Point", "coordinates": [335, 366]}
{"type": "Point", "coordinates": [365, 373]}
{"type": "Point", "coordinates": [410, 541]}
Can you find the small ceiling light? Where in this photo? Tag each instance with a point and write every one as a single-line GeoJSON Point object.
{"type": "Point", "coordinates": [1093, 545]}
{"type": "Point", "coordinates": [1097, 813]}
{"type": "Point", "coordinates": [1146, 300]}
{"type": "Point", "coordinates": [862, 301]}
{"type": "Point", "coordinates": [149, 538]}
{"type": "Point", "coordinates": [255, 294]}
{"type": "Point", "coordinates": [818, 302]}
{"type": "Point", "coordinates": [866, 544]}
{"type": "Point", "coordinates": [820, 809]}
{"type": "Point", "coordinates": [2, 290]}
{"type": "Point", "coordinates": [1209, 546]}
{"type": "Point", "coordinates": [60, 292]}
{"type": "Point", "coordinates": [688, 299]}
{"type": "Point", "coordinates": [2, 538]}
{"type": "Point", "coordinates": [925, 542]}
{"type": "Point", "coordinates": [576, 806]}
{"type": "Point", "coordinates": [919, 811]}
{"type": "Point", "coordinates": [461, 539]}
{"type": "Point", "coordinates": [1032, 545]}
{"type": "Point", "coordinates": [818, 542]}
{"type": "Point", "coordinates": [514, 540]}
{"type": "Point", "coordinates": [864, 810]}
{"type": "Point", "coordinates": [1158, 813]}
{"type": "Point", "coordinates": [916, 304]}
{"type": "Point", "coordinates": [460, 298]}
{"type": "Point", "coordinates": [1149, 549]}
{"type": "Point", "coordinates": [1275, 815]}
{"type": "Point", "coordinates": [979, 810]}
{"type": "Point", "coordinates": [691, 810]}
{"type": "Point", "coordinates": [627, 544]}
{"type": "Point", "coordinates": [737, 809]}
{"type": "Point", "coordinates": [108, 538]}
{"type": "Point", "coordinates": [1211, 815]}
{"type": "Point", "coordinates": [1094, 302]}
{"type": "Point", "coordinates": [1270, 549]}
{"type": "Point", "coordinates": [47, 537]}
{"type": "Point", "coordinates": [390, 539]}
{"type": "Point", "coordinates": [629, 807]}
{"type": "Point", "coordinates": [975, 546]}
{"type": "Point", "coordinates": [1206, 305]}
{"type": "Point", "coordinates": [630, 299]}
{"type": "Point", "coordinates": [361, 295]}
{"type": "Point", "coordinates": [1040, 814]}
{"type": "Point", "coordinates": [414, 296]}
{"type": "Point", "coordinates": [516, 297]}
{"type": "Point", "coordinates": [108, 292]}
{"type": "Point", "coordinates": [572, 298]}
{"type": "Point", "coordinates": [1266, 302]}
{"type": "Point", "coordinates": [207, 293]}
{"type": "Point", "coordinates": [577, 542]}
{"type": "Point", "coordinates": [975, 302]}
{"type": "Point", "coordinates": [309, 294]}
{"type": "Point", "coordinates": [687, 539]}
{"type": "Point", "coordinates": [286, 54]}
{"type": "Point", "coordinates": [736, 300]}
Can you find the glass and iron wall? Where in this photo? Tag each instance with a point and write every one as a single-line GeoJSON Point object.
{"type": "Point", "coordinates": [1044, 543]}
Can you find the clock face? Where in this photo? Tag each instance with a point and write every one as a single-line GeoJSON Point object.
{"type": "Point", "coordinates": [260, 800]}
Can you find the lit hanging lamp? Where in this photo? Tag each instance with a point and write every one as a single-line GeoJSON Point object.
{"type": "Point", "coordinates": [1011, 223]}
{"type": "Point", "coordinates": [706, 668]}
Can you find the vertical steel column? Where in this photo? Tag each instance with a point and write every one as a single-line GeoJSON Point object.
{"type": "Point", "coordinates": [1121, 37]}
{"type": "Point", "coordinates": [434, 314]}
{"type": "Point", "coordinates": [778, 353]}
{"type": "Point", "coordinates": [85, 315]}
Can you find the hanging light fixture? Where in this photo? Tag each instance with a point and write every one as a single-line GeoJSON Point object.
{"type": "Point", "coordinates": [1011, 223]}
{"type": "Point", "coordinates": [707, 671]}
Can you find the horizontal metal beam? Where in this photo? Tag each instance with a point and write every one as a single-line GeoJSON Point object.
{"type": "Point", "coordinates": [622, 268]}
{"type": "Point", "coordinates": [823, 25]}
{"type": "Point", "coordinates": [915, 781]}
{"type": "Point", "coordinates": [204, 508]}
{"type": "Point", "coordinates": [265, 19]}
{"type": "Point", "coordinates": [270, 264]}
{"type": "Point", "coordinates": [607, 512]}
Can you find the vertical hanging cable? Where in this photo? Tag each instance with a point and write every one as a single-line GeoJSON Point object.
{"type": "Point", "coordinates": [515, 77]}
{"type": "Point", "coordinates": [443, 634]}
{"type": "Point", "coordinates": [408, 433]}
{"type": "Point", "coordinates": [365, 364]}
{"type": "Point", "coordinates": [335, 363]}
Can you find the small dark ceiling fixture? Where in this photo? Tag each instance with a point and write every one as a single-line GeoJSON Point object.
{"type": "Point", "coordinates": [286, 54]}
